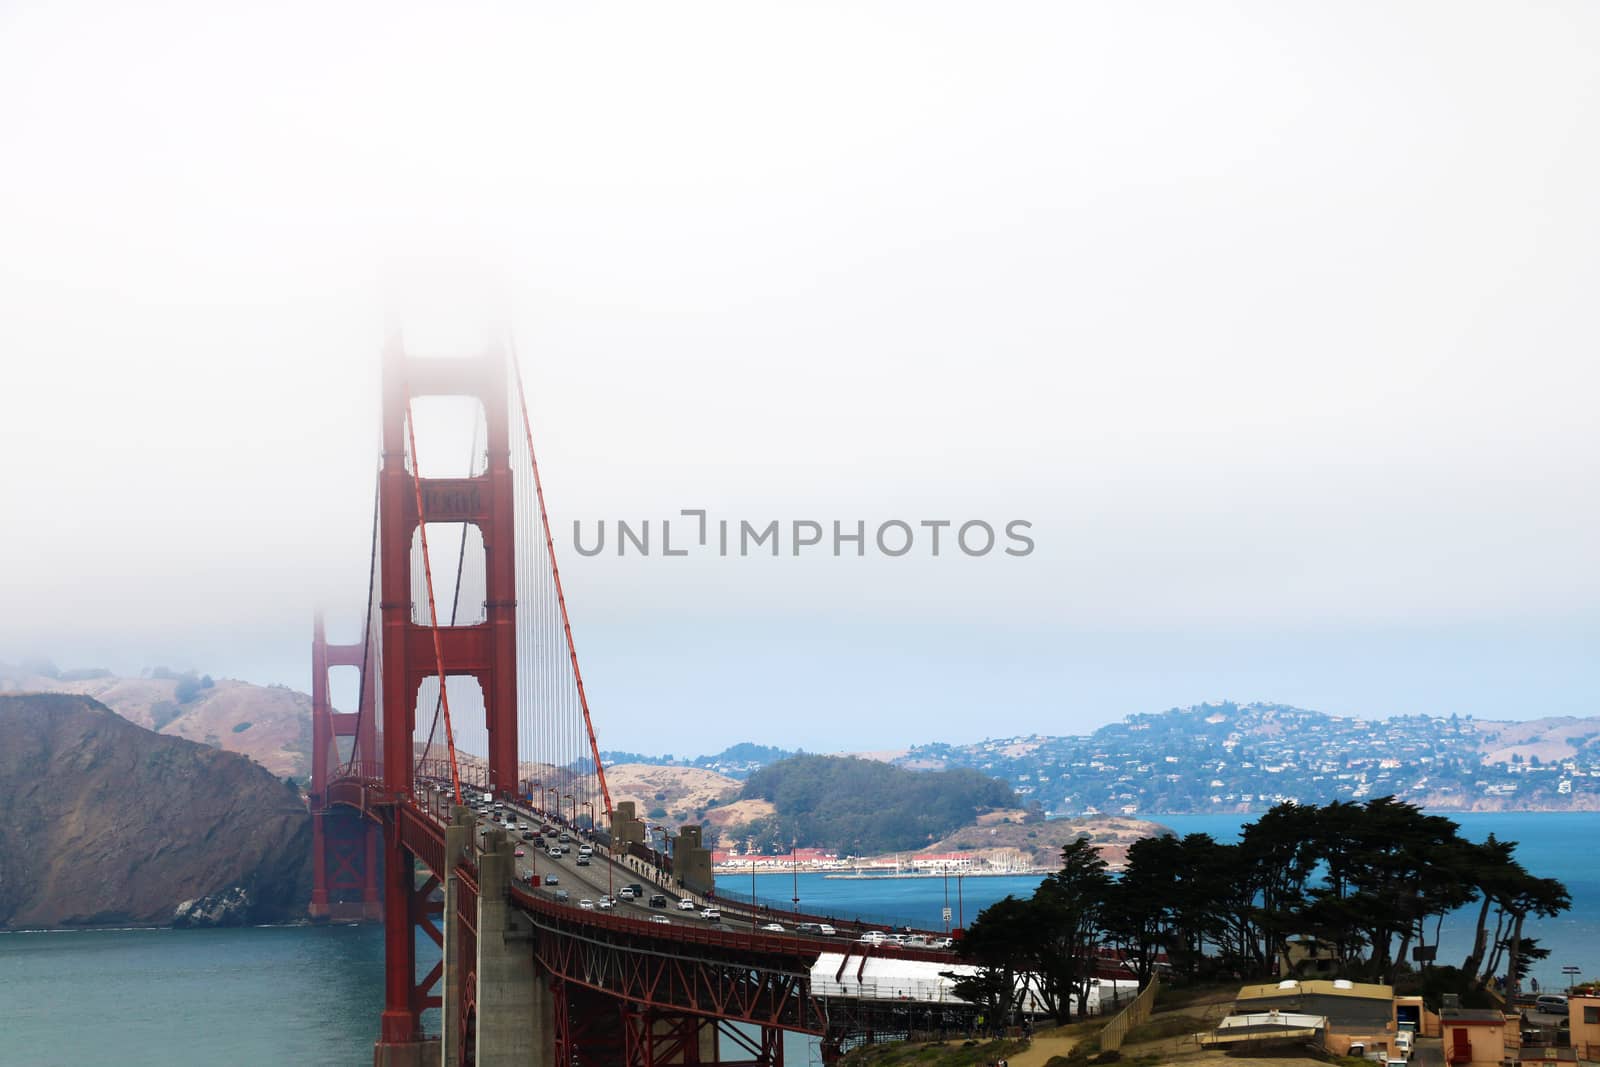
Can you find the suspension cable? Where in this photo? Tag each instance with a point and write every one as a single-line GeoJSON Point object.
{"type": "Point", "coordinates": [433, 613]}
{"type": "Point", "coordinates": [455, 609]}
{"type": "Point", "coordinates": [555, 573]}
{"type": "Point", "coordinates": [366, 649]}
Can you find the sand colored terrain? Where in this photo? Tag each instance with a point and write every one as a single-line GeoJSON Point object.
{"type": "Point", "coordinates": [1552, 740]}
{"type": "Point", "coordinates": [1042, 840]}
{"type": "Point", "coordinates": [680, 791]}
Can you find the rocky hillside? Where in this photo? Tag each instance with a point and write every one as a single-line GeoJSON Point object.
{"type": "Point", "coordinates": [269, 724]}
{"type": "Point", "coordinates": [109, 823]}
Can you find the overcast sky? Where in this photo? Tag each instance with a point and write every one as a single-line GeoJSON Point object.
{"type": "Point", "coordinates": [1277, 322]}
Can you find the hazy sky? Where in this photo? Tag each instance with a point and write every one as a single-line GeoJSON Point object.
{"type": "Point", "coordinates": [1277, 321]}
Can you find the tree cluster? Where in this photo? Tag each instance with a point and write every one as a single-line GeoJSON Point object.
{"type": "Point", "coordinates": [861, 806]}
{"type": "Point", "coordinates": [1371, 884]}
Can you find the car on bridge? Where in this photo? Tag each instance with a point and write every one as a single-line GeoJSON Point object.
{"type": "Point", "coordinates": [586, 904]}
{"type": "Point", "coordinates": [607, 903]}
{"type": "Point", "coordinates": [773, 928]}
{"type": "Point", "coordinates": [520, 852]}
{"type": "Point", "coordinates": [582, 861]}
{"type": "Point", "coordinates": [659, 901]}
{"type": "Point", "coordinates": [552, 879]}
{"type": "Point", "coordinates": [662, 919]}
{"type": "Point", "coordinates": [685, 904]}
{"type": "Point", "coordinates": [711, 915]}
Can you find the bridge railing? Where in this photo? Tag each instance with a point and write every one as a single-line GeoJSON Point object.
{"type": "Point", "coordinates": [786, 910]}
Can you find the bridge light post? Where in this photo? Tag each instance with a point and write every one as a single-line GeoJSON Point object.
{"type": "Point", "coordinates": [554, 794]}
{"type": "Point", "coordinates": [594, 823]}
{"type": "Point", "coordinates": [574, 818]}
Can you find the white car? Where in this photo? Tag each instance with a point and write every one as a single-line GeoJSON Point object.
{"type": "Point", "coordinates": [685, 904]}
{"type": "Point", "coordinates": [711, 915]}
{"type": "Point", "coordinates": [873, 937]}
{"type": "Point", "coordinates": [773, 928]}
{"type": "Point", "coordinates": [606, 903]}
{"type": "Point", "coordinates": [586, 904]}
{"type": "Point", "coordinates": [826, 930]}
{"type": "Point", "coordinates": [662, 919]}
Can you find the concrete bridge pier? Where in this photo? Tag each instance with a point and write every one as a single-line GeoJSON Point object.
{"type": "Point", "coordinates": [457, 846]}
{"type": "Point", "coordinates": [515, 1025]}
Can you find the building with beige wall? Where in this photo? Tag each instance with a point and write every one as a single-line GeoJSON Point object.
{"type": "Point", "coordinates": [1476, 1037]}
{"type": "Point", "coordinates": [1583, 1013]}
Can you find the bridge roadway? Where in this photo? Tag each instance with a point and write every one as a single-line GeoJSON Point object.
{"type": "Point", "coordinates": [610, 971]}
{"type": "Point", "coordinates": [603, 876]}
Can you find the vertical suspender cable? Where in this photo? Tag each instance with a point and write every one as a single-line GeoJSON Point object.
{"type": "Point", "coordinates": [555, 575]}
{"type": "Point", "coordinates": [433, 614]}
{"type": "Point", "coordinates": [366, 648]}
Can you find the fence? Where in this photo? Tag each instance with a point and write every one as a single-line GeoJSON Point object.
{"type": "Point", "coordinates": [1111, 1037]}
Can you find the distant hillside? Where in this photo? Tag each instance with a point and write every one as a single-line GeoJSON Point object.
{"type": "Point", "coordinates": [674, 795]}
{"type": "Point", "coordinates": [269, 724]}
{"type": "Point", "coordinates": [736, 761]}
{"type": "Point", "coordinates": [1246, 757]}
{"type": "Point", "coordinates": [110, 823]}
{"type": "Point", "coordinates": [860, 807]}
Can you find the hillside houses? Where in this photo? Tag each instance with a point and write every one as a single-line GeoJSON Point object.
{"type": "Point", "coordinates": [1228, 757]}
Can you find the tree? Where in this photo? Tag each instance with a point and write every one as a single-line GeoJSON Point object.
{"type": "Point", "coordinates": [999, 943]}
{"type": "Point", "coordinates": [1139, 905]}
{"type": "Point", "coordinates": [1067, 909]}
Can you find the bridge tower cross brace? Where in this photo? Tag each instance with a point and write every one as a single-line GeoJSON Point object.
{"type": "Point", "coordinates": [486, 651]}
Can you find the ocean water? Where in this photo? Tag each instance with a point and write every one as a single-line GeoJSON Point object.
{"type": "Point", "coordinates": [311, 995]}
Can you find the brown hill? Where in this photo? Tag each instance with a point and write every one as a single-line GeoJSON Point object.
{"type": "Point", "coordinates": [108, 823]}
{"type": "Point", "coordinates": [681, 792]}
{"type": "Point", "coordinates": [270, 724]}
{"type": "Point", "coordinates": [1041, 840]}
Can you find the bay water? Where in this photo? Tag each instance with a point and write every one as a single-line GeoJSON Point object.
{"type": "Point", "coordinates": [311, 994]}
